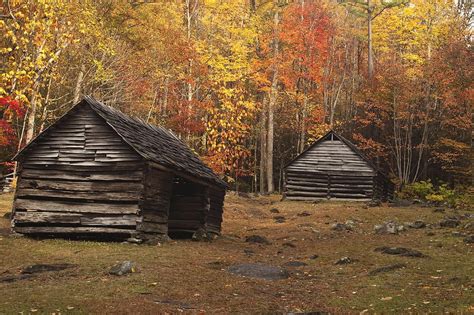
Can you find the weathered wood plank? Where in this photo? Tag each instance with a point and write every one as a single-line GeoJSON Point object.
{"type": "Point", "coordinates": [85, 186]}
{"type": "Point", "coordinates": [126, 220]}
{"type": "Point", "coordinates": [305, 194]}
{"type": "Point", "coordinates": [22, 217]}
{"type": "Point", "coordinates": [30, 193]}
{"type": "Point", "coordinates": [81, 175]}
{"type": "Point", "coordinates": [62, 206]}
{"type": "Point", "coordinates": [71, 230]}
{"type": "Point", "coordinates": [34, 217]}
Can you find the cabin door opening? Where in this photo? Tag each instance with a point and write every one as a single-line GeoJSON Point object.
{"type": "Point", "coordinates": [187, 208]}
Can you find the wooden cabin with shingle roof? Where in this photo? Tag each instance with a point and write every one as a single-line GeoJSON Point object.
{"type": "Point", "coordinates": [334, 168]}
{"type": "Point", "coordinates": [98, 171]}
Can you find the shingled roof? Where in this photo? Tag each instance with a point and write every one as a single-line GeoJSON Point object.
{"type": "Point", "coordinates": [153, 143]}
{"type": "Point", "coordinates": [348, 143]}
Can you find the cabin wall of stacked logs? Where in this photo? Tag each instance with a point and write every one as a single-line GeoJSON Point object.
{"type": "Point", "coordinates": [79, 178]}
{"type": "Point", "coordinates": [175, 204]}
{"type": "Point", "coordinates": [331, 169]}
{"type": "Point", "coordinates": [310, 186]}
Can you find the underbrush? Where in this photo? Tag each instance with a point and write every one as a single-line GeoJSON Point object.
{"type": "Point", "coordinates": [442, 194]}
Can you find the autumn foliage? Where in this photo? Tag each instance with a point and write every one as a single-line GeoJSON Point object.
{"type": "Point", "coordinates": [250, 84]}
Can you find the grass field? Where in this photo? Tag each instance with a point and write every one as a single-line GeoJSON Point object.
{"type": "Point", "coordinates": [192, 277]}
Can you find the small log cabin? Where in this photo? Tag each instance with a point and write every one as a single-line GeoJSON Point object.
{"type": "Point", "coordinates": [97, 171]}
{"type": "Point", "coordinates": [333, 168]}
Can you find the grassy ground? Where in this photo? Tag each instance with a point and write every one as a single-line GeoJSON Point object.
{"type": "Point", "coordinates": [192, 277]}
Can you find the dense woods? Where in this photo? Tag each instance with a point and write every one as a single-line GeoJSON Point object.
{"type": "Point", "coordinates": [249, 84]}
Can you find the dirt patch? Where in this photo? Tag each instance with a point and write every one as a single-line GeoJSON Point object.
{"type": "Point", "coordinates": [258, 239]}
{"type": "Point", "coordinates": [259, 271]}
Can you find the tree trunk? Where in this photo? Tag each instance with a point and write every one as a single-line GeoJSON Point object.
{"type": "Point", "coordinates": [272, 102]}
{"type": "Point", "coordinates": [31, 120]}
{"type": "Point", "coordinates": [370, 57]}
{"type": "Point", "coordinates": [263, 148]}
{"type": "Point", "coordinates": [303, 124]}
{"type": "Point", "coordinates": [79, 81]}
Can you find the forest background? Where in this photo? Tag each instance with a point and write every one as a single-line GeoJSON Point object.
{"type": "Point", "coordinates": [249, 84]}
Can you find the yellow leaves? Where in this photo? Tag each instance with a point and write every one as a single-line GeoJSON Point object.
{"type": "Point", "coordinates": [410, 30]}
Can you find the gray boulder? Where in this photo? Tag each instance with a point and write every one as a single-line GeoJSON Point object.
{"type": "Point", "coordinates": [341, 227]}
{"type": "Point", "coordinates": [418, 224]}
{"type": "Point", "coordinates": [388, 228]}
{"type": "Point", "coordinates": [469, 239]}
{"type": "Point", "coordinates": [344, 261]}
{"type": "Point", "coordinates": [123, 268]}
{"type": "Point", "coordinates": [449, 223]}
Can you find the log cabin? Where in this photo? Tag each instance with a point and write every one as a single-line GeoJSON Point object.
{"type": "Point", "coordinates": [97, 171]}
{"type": "Point", "coordinates": [334, 168]}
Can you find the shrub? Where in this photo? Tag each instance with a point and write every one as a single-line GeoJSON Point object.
{"type": "Point", "coordinates": [418, 190]}
{"type": "Point", "coordinates": [443, 194]}
{"type": "Point", "coordinates": [425, 190]}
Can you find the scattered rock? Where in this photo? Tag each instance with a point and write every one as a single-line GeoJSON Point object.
{"type": "Point", "coordinates": [279, 219]}
{"type": "Point", "coordinates": [374, 203]}
{"type": "Point", "coordinates": [449, 223]}
{"type": "Point", "coordinates": [157, 239]}
{"type": "Point", "coordinates": [259, 271]}
{"type": "Point", "coordinates": [257, 239]}
{"type": "Point", "coordinates": [274, 210]}
{"type": "Point", "coordinates": [13, 278]}
{"type": "Point", "coordinates": [313, 256]}
{"type": "Point", "coordinates": [418, 224]}
{"type": "Point", "coordinates": [344, 261]}
{"type": "Point", "coordinates": [388, 228]}
{"type": "Point", "coordinates": [304, 214]}
{"type": "Point", "coordinates": [7, 215]}
{"type": "Point", "coordinates": [134, 240]}
{"type": "Point", "coordinates": [201, 235]}
{"type": "Point", "coordinates": [249, 252]}
{"type": "Point", "coordinates": [288, 244]}
{"type": "Point", "coordinates": [469, 239]}
{"type": "Point", "coordinates": [123, 268]}
{"type": "Point", "coordinates": [430, 233]}
{"type": "Point", "coordinates": [350, 223]}
{"type": "Point", "coordinates": [244, 195]}
{"type": "Point", "coordinates": [30, 271]}
{"type": "Point", "coordinates": [400, 203]}
{"type": "Point", "coordinates": [439, 210]}
{"type": "Point", "coordinates": [341, 227]}
{"type": "Point", "coordinates": [399, 251]}
{"type": "Point", "coordinates": [469, 226]}
{"type": "Point", "coordinates": [46, 267]}
{"type": "Point", "coordinates": [387, 269]}
{"type": "Point", "coordinates": [295, 264]}
{"type": "Point", "coordinates": [457, 234]}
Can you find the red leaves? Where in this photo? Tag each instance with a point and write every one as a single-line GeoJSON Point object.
{"type": "Point", "coordinates": [10, 108]}
{"type": "Point", "coordinates": [305, 31]}
{"type": "Point", "coordinates": [11, 111]}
